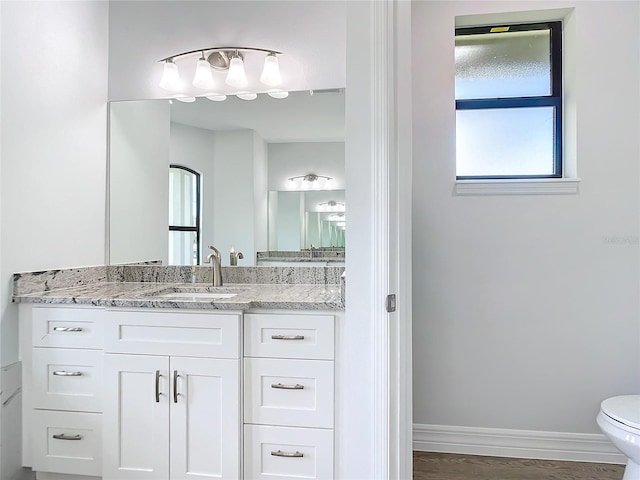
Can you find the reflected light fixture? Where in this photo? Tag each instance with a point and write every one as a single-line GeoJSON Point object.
{"type": "Point", "coordinates": [331, 206]}
{"type": "Point", "coordinates": [310, 181]}
{"type": "Point", "coordinates": [229, 59]}
{"type": "Point", "coordinates": [247, 96]}
{"type": "Point", "coordinates": [278, 94]}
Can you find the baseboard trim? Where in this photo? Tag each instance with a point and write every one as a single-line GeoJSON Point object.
{"type": "Point", "coordinates": [578, 447]}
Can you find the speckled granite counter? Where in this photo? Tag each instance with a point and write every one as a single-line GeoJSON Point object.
{"type": "Point", "coordinates": [164, 295]}
{"type": "Point", "coordinates": [93, 286]}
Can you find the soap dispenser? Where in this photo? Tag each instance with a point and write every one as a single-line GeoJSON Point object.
{"type": "Point", "coordinates": [234, 256]}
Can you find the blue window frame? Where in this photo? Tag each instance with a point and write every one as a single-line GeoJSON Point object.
{"type": "Point", "coordinates": [509, 101]}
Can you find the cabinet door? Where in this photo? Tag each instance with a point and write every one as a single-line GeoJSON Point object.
{"type": "Point", "coordinates": [205, 418]}
{"type": "Point", "coordinates": [136, 417]}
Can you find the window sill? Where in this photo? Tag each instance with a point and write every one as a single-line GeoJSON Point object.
{"type": "Point", "coordinates": [516, 186]}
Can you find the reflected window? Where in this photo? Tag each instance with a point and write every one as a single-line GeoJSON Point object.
{"type": "Point", "coordinates": [184, 216]}
{"type": "Point", "coordinates": [508, 88]}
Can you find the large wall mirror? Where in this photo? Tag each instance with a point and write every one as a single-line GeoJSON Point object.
{"type": "Point", "coordinates": [183, 176]}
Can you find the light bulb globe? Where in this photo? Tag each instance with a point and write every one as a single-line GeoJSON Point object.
{"type": "Point", "coordinates": [271, 71]}
{"type": "Point", "coordinates": [237, 76]}
{"type": "Point", "coordinates": [203, 77]}
{"type": "Point", "coordinates": [170, 77]}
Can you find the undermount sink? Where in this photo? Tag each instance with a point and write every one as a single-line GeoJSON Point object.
{"type": "Point", "coordinates": [205, 295]}
{"type": "Point", "coordinates": [201, 292]}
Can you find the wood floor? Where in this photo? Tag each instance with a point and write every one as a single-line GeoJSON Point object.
{"type": "Point", "coordinates": [447, 466]}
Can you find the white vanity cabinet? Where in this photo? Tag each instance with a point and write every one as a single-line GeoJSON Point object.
{"type": "Point", "coordinates": [166, 394]}
{"type": "Point", "coordinates": [62, 382]}
{"type": "Point", "coordinates": [172, 395]}
{"type": "Point", "coordinates": [289, 396]}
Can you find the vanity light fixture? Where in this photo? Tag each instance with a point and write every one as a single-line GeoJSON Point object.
{"type": "Point", "coordinates": [331, 206]}
{"type": "Point", "coordinates": [337, 217]}
{"type": "Point", "coordinates": [310, 181]}
{"type": "Point", "coordinates": [247, 96]}
{"type": "Point", "coordinates": [229, 59]}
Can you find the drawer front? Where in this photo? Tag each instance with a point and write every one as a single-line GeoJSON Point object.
{"type": "Point", "coordinates": [66, 442]}
{"type": "Point", "coordinates": [289, 336]}
{"type": "Point", "coordinates": [67, 379]}
{"type": "Point", "coordinates": [67, 327]}
{"type": "Point", "coordinates": [295, 393]}
{"type": "Point", "coordinates": [285, 453]}
{"type": "Point", "coordinates": [173, 333]}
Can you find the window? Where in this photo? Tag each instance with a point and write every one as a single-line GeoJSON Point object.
{"type": "Point", "coordinates": [508, 87]}
{"type": "Point", "coordinates": [184, 216]}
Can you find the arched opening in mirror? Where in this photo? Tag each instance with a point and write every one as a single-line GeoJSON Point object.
{"type": "Point", "coordinates": [184, 216]}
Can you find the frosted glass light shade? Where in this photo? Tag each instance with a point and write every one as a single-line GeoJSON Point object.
{"type": "Point", "coordinates": [236, 76]}
{"type": "Point", "coordinates": [216, 98]}
{"type": "Point", "coordinates": [278, 94]}
{"type": "Point", "coordinates": [203, 77]}
{"type": "Point", "coordinates": [247, 96]}
{"type": "Point", "coordinates": [271, 71]}
{"type": "Point", "coordinates": [170, 77]}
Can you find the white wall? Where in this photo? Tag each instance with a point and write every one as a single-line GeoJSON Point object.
{"type": "Point", "coordinates": [139, 181]}
{"type": "Point", "coordinates": [292, 159]}
{"type": "Point", "coordinates": [526, 307]}
{"type": "Point", "coordinates": [53, 152]}
{"type": "Point", "coordinates": [233, 176]}
{"type": "Point", "coordinates": [193, 147]}
{"type": "Point", "coordinates": [260, 198]}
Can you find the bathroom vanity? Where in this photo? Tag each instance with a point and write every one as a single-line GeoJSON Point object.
{"type": "Point", "coordinates": [174, 381]}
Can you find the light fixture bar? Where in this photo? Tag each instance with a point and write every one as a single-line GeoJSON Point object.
{"type": "Point", "coordinates": [219, 49]}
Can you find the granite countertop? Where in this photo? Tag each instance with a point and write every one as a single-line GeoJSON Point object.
{"type": "Point", "coordinates": [192, 296]}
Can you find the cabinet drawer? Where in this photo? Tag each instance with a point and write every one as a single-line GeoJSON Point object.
{"type": "Point", "coordinates": [66, 442]}
{"type": "Point", "coordinates": [67, 327]}
{"type": "Point", "coordinates": [211, 335]}
{"type": "Point", "coordinates": [67, 379]}
{"type": "Point", "coordinates": [285, 453]}
{"type": "Point", "coordinates": [288, 392]}
{"type": "Point", "coordinates": [289, 336]}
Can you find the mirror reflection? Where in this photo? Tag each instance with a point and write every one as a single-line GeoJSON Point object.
{"type": "Point", "coordinates": [250, 176]}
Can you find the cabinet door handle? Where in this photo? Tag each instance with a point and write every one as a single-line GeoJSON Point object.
{"type": "Point", "coordinates": [63, 373]}
{"type": "Point", "coordinates": [280, 453]}
{"type": "Point", "coordinates": [67, 329]}
{"type": "Point", "coordinates": [63, 436]}
{"type": "Point", "coordinates": [157, 386]}
{"type": "Point", "coordinates": [287, 337]}
{"type": "Point", "coordinates": [175, 386]}
{"type": "Point", "coordinates": [297, 386]}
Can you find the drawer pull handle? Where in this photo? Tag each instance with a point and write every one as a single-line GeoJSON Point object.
{"type": "Point", "coordinates": [62, 436]}
{"type": "Point", "coordinates": [287, 337]}
{"type": "Point", "coordinates": [175, 386]}
{"type": "Point", "coordinates": [157, 386]}
{"type": "Point", "coordinates": [67, 329]}
{"type": "Point", "coordinates": [280, 453]}
{"type": "Point", "coordinates": [297, 386]}
{"type": "Point", "coordinates": [63, 373]}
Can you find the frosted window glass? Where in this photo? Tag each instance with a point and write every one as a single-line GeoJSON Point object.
{"type": "Point", "coordinates": [503, 65]}
{"type": "Point", "coordinates": [183, 248]}
{"type": "Point", "coordinates": [506, 141]}
{"type": "Point", "coordinates": [182, 198]}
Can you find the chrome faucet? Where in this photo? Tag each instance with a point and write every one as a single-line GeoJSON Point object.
{"type": "Point", "coordinates": [215, 259]}
{"type": "Point", "coordinates": [234, 257]}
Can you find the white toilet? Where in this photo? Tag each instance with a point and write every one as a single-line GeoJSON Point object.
{"type": "Point", "coordinates": [619, 419]}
